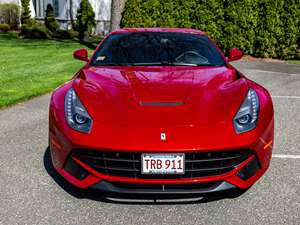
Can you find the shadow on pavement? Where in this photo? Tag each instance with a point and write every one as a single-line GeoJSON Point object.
{"type": "Point", "coordinates": [132, 199]}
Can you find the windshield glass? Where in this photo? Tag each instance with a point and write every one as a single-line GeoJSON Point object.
{"type": "Point", "coordinates": [157, 48]}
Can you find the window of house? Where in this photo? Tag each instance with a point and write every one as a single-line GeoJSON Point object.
{"type": "Point", "coordinates": [56, 8]}
{"type": "Point", "coordinates": [34, 5]}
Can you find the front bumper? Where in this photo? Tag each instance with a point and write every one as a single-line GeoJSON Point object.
{"type": "Point", "coordinates": [243, 175]}
{"type": "Point", "coordinates": [63, 140]}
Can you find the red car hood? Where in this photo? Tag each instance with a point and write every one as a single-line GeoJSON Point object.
{"type": "Point", "coordinates": [161, 96]}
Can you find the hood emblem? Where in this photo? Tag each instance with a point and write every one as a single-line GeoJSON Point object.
{"type": "Point", "coordinates": [163, 136]}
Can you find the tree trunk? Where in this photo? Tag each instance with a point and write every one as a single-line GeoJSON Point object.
{"type": "Point", "coordinates": [117, 7]}
{"type": "Point", "coordinates": [71, 13]}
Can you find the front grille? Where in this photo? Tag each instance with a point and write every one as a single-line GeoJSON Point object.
{"type": "Point", "coordinates": [128, 164]}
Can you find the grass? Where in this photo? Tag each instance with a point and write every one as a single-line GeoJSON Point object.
{"type": "Point", "coordinates": [29, 68]}
{"type": "Point", "coordinates": [294, 61]}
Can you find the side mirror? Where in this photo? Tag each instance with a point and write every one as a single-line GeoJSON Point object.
{"type": "Point", "coordinates": [81, 54]}
{"type": "Point", "coordinates": [235, 54]}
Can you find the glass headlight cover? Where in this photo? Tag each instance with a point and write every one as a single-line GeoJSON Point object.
{"type": "Point", "coordinates": [76, 115]}
{"type": "Point", "coordinates": [247, 116]}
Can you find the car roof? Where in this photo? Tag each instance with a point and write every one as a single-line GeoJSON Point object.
{"type": "Point", "coordinates": [175, 30]}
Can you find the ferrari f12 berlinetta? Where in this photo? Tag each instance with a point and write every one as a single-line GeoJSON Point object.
{"type": "Point", "coordinates": [160, 111]}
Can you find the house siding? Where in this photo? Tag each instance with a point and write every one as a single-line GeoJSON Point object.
{"type": "Point", "coordinates": [102, 9]}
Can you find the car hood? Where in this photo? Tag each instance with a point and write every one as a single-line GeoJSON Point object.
{"type": "Point", "coordinates": [160, 96]}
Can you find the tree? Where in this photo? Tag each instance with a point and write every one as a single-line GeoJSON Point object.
{"type": "Point", "coordinates": [50, 21]}
{"type": "Point", "coordinates": [116, 13]}
{"type": "Point", "coordinates": [25, 16]}
{"type": "Point", "coordinates": [85, 19]}
{"type": "Point", "coordinates": [71, 12]}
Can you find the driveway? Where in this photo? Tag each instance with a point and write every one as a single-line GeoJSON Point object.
{"type": "Point", "coordinates": [32, 193]}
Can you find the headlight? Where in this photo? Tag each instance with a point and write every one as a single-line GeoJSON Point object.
{"type": "Point", "coordinates": [246, 117]}
{"type": "Point", "coordinates": [76, 115]}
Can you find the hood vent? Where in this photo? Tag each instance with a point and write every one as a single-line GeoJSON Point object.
{"type": "Point", "coordinates": [161, 103]}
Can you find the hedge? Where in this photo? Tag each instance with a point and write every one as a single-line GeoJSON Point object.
{"type": "Point", "coordinates": [4, 27]}
{"type": "Point", "coordinates": [35, 31]}
{"type": "Point", "coordinates": [262, 28]}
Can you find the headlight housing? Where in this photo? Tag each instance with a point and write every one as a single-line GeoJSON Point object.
{"type": "Point", "coordinates": [76, 115]}
{"type": "Point", "coordinates": [247, 116]}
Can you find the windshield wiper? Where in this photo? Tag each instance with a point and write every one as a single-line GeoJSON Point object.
{"type": "Point", "coordinates": [166, 63]}
{"type": "Point", "coordinates": [114, 64]}
{"type": "Point", "coordinates": [163, 63]}
{"type": "Point", "coordinates": [183, 64]}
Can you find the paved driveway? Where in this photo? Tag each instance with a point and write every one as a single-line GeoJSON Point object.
{"type": "Point", "coordinates": [32, 193]}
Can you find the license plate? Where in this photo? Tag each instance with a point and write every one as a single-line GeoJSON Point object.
{"type": "Point", "coordinates": [162, 163]}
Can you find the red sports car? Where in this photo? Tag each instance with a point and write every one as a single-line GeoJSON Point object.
{"type": "Point", "coordinates": [160, 111]}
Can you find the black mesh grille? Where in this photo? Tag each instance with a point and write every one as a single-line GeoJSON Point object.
{"type": "Point", "coordinates": [128, 164]}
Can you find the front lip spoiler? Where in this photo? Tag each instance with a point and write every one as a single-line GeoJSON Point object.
{"type": "Point", "coordinates": [106, 186]}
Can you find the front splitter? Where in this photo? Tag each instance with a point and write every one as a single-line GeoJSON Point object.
{"type": "Point", "coordinates": [126, 188]}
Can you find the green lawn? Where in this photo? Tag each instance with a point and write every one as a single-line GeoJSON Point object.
{"type": "Point", "coordinates": [30, 68]}
{"type": "Point", "coordinates": [294, 61]}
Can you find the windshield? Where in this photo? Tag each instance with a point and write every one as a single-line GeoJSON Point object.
{"type": "Point", "coordinates": [157, 48]}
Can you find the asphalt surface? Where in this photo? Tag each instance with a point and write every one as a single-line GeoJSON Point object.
{"type": "Point", "coordinates": [32, 193]}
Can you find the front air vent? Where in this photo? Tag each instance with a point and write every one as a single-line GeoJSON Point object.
{"type": "Point", "coordinates": [128, 164]}
{"type": "Point", "coordinates": [161, 103]}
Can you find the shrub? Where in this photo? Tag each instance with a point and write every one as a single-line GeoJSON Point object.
{"type": "Point", "coordinates": [9, 14]}
{"type": "Point", "coordinates": [25, 16]}
{"type": "Point", "coordinates": [278, 30]}
{"type": "Point", "coordinates": [36, 31]}
{"type": "Point", "coordinates": [264, 28]}
{"type": "Point", "coordinates": [65, 34]}
{"type": "Point", "coordinates": [4, 27]}
{"type": "Point", "coordinates": [240, 22]}
{"type": "Point", "coordinates": [85, 21]}
{"type": "Point", "coordinates": [50, 21]}
{"type": "Point", "coordinates": [209, 17]}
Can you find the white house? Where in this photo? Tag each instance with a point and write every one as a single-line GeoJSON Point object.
{"type": "Point", "coordinates": [65, 11]}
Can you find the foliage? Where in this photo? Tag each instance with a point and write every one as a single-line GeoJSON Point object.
{"type": "Point", "coordinates": [50, 29]}
{"type": "Point", "coordinates": [85, 21]}
{"type": "Point", "coordinates": [279, 28]}
{"type": "Point", "coordinates": [4, 27]}
{"type": "Point", "coordinates": [264, 28]}
{"type": "Point", "coordinates": [9, 14]}
{"type": "Point", "coordinates": [35, 31]}
{"type": "Point", "coordinates": [25, 16]}
{"type": "Point", "coordinates": [65, 34]}
{"type": "Point", "coordinates": [239, 30]}
{"type": "Point", "coordinates": [50, 21]}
